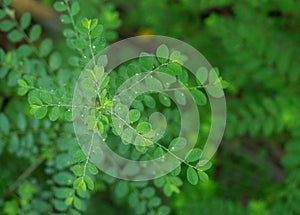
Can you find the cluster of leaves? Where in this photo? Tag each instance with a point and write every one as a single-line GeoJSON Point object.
{"type": "Point", "coordinates": [258, 54]}
{"type": "Point", "coordinates": [35, 70]}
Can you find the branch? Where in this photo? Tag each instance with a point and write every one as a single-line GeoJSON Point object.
{"type": "Point", "coordinates": [23, 176]}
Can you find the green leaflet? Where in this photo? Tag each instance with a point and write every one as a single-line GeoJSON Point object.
{"type": "Point", "coordinates": [134, 115]}
{"type": "Point", "coordinates": [192, 176]}
{"type": "Point", "coordinates": [35, 33]}
{"type": "Point", "coordinates": [25, 20]}
{"type": "Point", "coordinates": [162, 53]}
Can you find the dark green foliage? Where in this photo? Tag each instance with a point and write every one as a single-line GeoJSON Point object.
{"type": "Point", "coordinates": [254, 43]}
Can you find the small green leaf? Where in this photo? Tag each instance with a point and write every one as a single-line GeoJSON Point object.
{"type": "Point", "coordinates": [175, 180]}
{"type": "Point", "coordinates": [134, 115]}
{"type": "Point", "coordinates": [77, 184]}
{"type": "Point", "coordinates": [75, 8]}
{"type": "Point", "coordinates": [54, 113]}
{"type": "Point", "coordinates": [78, 170]}
{"type": "Point", "coordinates": [33, 100]}
{"type": "Point", "coordinates": [92, 169]}
{"type": "Point", "coordinates": [176, 171]}
{"type": "Point", "coordinates": [68, 115]}
{"type": "Point", "coordinates": [22, 83]}
{"type": "Point", "coordinates": [22, 91]}
{"type": "Point", "coordinates": [6, 2]}
{"type": "Point", "coordinates": [127, 135]}
{"type": "Point", "coordinates": [46, 97]}
{"type": "Point", "coordinates": [140, 208]}
{"type": "Point", "coordinates": [69, 200]}
{"type": "Point", "coordinates": [167, 189]}
{"type": "Point", "coordinates": [164, 100]}
{"type": "Point", "coordinates": [24, 50]}
{"type": "Point", "coordinates": [204, 165]}
{"type": "Point", "coordinates": [177, 144]}
{"type": "Point", "coordinates": [159, 182]}
{"type": "Point", "coordinates": [86, 23]}
{"type": "Point", "coordinates": [3, 71]}
{"type": "Point", "coordinates": [121, 189]}
{"type": "Point", "coordinates": [82, 185]}
{"type": "Point", "coordinates": [66, 19]}
{"type": "Point", "coordinates": [4, 125]}
{"type": "Point", "coordinates": [25, 20]}
{"type": "Point", "coordinates": [40, 112]}
{"type": "Point", "coordinates": [146, 61]}
{"type": "Point", "coordinates": [78, 204]}
{"type": "Point", "coordinates": [102, 61]}
{"type": "Point", "coordinates": [7, 25]}
{"type": "Point", "coordinates": [162, 53]}
{"type": "Point", "coordinates": [177, 57]}
{"type": "Point", "coordinates": [212, 76]}
{"type": "Point", "coordinates": [94, 23]}
{"type": "Point", "coordinates": [97, 31]}
{"type": "Point", "coordinates": [149, 101]}
{"type": "Point", "coordinates": [153, 84]}
{"type": "Point", "coordinates": [68, 32]}
{"type": "Point", "coordinates": [60, 6]}
{"type": "Point", "coordinates": [193, 155]}
{"type": "Point", "coordinates": [131, 169]}
{"type": "Point", "coordinates": [202, 75]}
{"type": "Point", "coordinates": [203, 176]}
{"type": "Point", "coordinates": [45, 47]}
{"type": "Point", "coordinates": [215, 91]}
{"type": "Point", "coordinates": [140, 144]}
{"type": "Point", "coordinates": [192, 176]}
{"type": "Point", "coordinates": [154, 201]}
{"type": "Point", "coordinates": [2, 14]}
{"type": "Point", "coordinates": [199, 97]}
{"type": "Point", "coordinates": [176, 68]}
{"type": "Point", "coordinates": [143, 127]}
{"type": "Point", "coordinates": [63, 178]}
{"type": "Point", "coordinates": [60, 205]}
{"type": "Point", "coordinates": [98, 72]}
{"type": "Point", "coordinates": [180, 97]}
{"type": "Point", "coordinates": [225, 84]}
{"type": "Point", "coordinates": [148, 192]}
{"type": "Point", "coordinates": [62, 160]}
{"type": "Point", "coordinates": [89, 182]}
{"type": "Point", "coordinates": [35, 33]}
{"type": "Point", "coordinates": [63, 192]}
{"type": "Point", "coordinates": [15, 36]}
{"type": "Point", "coordinates": [163, 210]}
{"type": "Point", "coordinates": [55, 61]}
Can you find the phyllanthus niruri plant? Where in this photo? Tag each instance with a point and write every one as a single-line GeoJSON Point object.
{"type": "Point", "coordinates": [134, 109]}
{"type": "Point", "coordinates": [149, 77]}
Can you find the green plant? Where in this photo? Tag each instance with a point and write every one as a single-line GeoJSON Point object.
{"type": "Point", "coordinates": [36, 70]}
{"type": "Point", "coordinates": [255, 45]}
